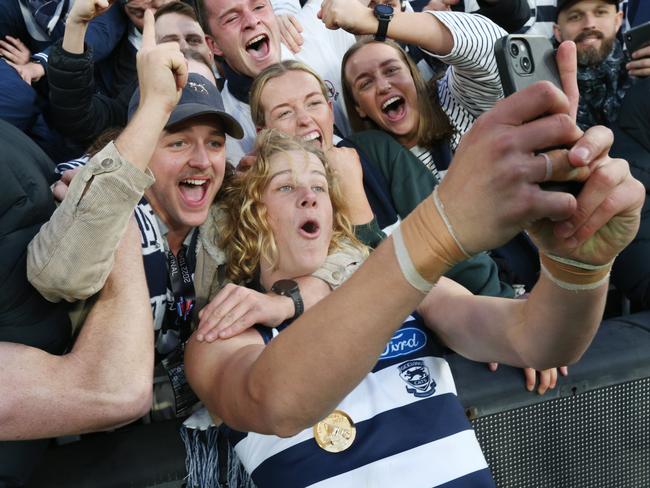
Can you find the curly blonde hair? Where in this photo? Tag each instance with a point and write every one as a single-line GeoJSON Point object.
{"type": "Point", "coordinates": [245, 234]}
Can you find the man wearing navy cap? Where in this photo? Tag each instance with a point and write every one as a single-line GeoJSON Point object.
{"type": "Point", "coordinates": [165, 169]}
{"type": "Point", "coordinates": [591, 24]}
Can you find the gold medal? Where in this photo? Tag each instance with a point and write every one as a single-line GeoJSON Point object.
{"type": "Point", "coordinates": [336, 432]}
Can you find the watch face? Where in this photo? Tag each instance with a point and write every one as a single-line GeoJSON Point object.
{"type": "Point", "coordinates": [383, 10]}
{"type": "Point", "coordinates": [284, 287]}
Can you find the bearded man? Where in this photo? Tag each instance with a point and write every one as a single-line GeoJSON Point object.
{"type": "Point", "coordinates": [605, 72]}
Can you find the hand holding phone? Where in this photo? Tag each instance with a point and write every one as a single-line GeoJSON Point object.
{"type": "Point", "coordinates": [523, 60]}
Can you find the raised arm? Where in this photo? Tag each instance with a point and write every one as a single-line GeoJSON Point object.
{"type": "Point", "coordinates": [64, 260]}
{"type": "Point", "coordinates": [417, 28]}
{"type": "Point", "coordinates": [555, 325]}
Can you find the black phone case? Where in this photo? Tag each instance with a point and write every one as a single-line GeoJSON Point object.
{"type": "Point", "coordinates": [542, 57]}
{"type": "Point", "coordinates": [636, 37]}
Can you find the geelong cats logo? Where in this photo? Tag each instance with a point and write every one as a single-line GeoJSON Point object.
{"type": "Point", "coordinates": [417, 377]}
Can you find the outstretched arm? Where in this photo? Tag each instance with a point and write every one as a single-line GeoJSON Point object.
{"type": "Point", "coordinates": [406, 27]}
{"type": "Point", "coordinates": [304, 372]}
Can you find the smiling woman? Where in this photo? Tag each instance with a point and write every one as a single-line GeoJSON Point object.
{"type": "Point", "coordinates": [383, 89]}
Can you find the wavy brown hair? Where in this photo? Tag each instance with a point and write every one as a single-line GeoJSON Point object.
{"type": "Point", "coordinates": [433, 123]}
{"type": "Point", "coordinates": [245, 234]}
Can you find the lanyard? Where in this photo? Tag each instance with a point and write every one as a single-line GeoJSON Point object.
{"type": "Point", "coordinates": [180, 269]}
{"type": "Point", "coordinates": [182, 284]}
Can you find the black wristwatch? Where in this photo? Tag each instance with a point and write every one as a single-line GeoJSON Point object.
{"type": "Point", "coordinates": [383, 13]}
{"type": "Point", "coordinates": [289, 288]}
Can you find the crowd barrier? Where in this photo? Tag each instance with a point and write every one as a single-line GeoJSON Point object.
{"type": "Point", "coordinates": [592, 431]}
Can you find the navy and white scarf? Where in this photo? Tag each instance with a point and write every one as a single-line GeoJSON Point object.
{"type": "Point", "coordinates": [48, 16]}
{"type": "Point", "coordinates": [602, 88]}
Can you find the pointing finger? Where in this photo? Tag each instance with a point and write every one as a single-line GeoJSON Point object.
{"type": "Point", "coordinates": [149, 30]}
{"type": "Point", "coordinates": [568, 68]}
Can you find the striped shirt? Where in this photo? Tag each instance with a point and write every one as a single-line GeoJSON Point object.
{"type": "Point", "coordinates": [410, 429]}
{"type": "Point", "coordinates": [472, 85]}
{"type": "Point", "coordinates": [426, 158]}
{"type": "Point", "coordinates": [542, 18]}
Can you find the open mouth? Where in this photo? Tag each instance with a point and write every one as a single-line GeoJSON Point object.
{"type": "Point", "coordinates": [313, 136]}
{"type": "Point", "coordinates": [258, 46]}
{"type": "Point", "coordinates": [310, 229]}
{"type": "Point", "coordinates": [589, 37]}
{"type": "Point", "coordinates": [193, 190]}
{"type": "Point", "coordinates": [394, 108]}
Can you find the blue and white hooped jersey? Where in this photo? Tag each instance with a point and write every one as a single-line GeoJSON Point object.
{"type": "Point", "coordinates": [411, 429]}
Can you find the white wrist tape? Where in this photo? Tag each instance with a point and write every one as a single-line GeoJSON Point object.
{"type": "Point", "coordinates": [425, 244]}
{"type": "Point", "coordinates": [574, 275]}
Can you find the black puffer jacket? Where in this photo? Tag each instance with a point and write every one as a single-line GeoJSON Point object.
{"type": "Point", "coordinates": [25, 204]}
{"type": "Point", "coordinates": [75, 109]}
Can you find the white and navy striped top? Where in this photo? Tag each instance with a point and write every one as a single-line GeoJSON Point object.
{"type": "Point", "coordinates": [472, 85]}
{"type": "Point", "coordinates": [411, 429]}
{"type": "Point", "coordinates": [542, 18]}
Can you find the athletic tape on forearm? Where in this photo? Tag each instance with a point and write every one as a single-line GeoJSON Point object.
{"type": "Point", "coordinates": [425, 245]}
{"type": "Point", "coordinates": [574, 275]}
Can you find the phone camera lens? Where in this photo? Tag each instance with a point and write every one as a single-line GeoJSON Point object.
{"type": "Point", "coordinates": [525, 64]}
{"type": "Point", "coordinates": [514, 50]}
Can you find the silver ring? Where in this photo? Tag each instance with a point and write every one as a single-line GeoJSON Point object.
{"type": "Point", "coordinates": [549, 167]}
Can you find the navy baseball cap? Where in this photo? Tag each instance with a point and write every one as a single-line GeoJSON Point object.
{"type": "Point", "coordinates": [199, 97]}
{"type": "Point", "coordinates": [562, 4]}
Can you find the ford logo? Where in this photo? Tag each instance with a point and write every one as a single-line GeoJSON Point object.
{"type": "Point", "coordinates": [405, 341]}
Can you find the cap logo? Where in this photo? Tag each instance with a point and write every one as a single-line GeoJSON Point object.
{"type": "Point", "coordinates": [197, 87]}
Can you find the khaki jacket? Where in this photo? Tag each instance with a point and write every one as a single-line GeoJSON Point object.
{"type": "Point", "coordinates": [72, 255]}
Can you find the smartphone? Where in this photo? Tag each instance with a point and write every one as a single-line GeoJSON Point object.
{"type": "Point", "coordinates": [523, 60]}
{"type": "Point", "coordinates": [637, 37]}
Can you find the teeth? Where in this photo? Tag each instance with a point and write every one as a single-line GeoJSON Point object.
{"type": "Point", "coordinates": [389, 101]}
{"type": "Point", "coordinates": [195, 182]}
{"type": "Point", "coordinates": [256, 39]}
{"type": "Point", "coordinates": [311, 136]}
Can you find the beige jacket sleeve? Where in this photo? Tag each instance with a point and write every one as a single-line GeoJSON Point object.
{"type": "Point", "coordinates": [72, 255]}
{"type": "Point", "coordinates": [340, 265]}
